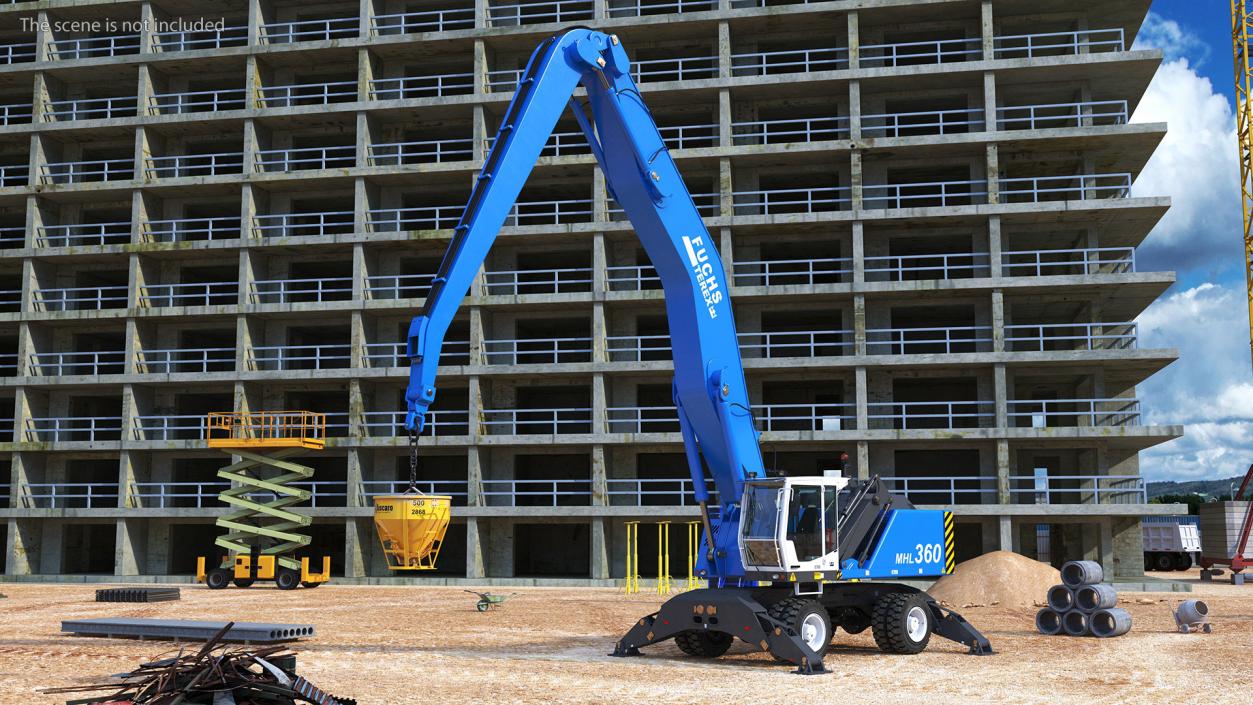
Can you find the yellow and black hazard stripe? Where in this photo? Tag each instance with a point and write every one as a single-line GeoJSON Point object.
{"type": "Point", "coordinates": [950, 556]}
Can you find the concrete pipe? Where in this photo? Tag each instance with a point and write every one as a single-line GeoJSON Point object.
{"type": "Point", "coordinates": [1048, 621]}
{"type": "Point", "coordinates": [1091, 598]}
{"type": "Point", "coordinates": [1076, 573]}
{"type": "Point", "coordinates": [1075, 623]}
{"type": "Point", "coordinates": [1060, 598]}
{"type": "Point", "coordinates": [1111, 622]}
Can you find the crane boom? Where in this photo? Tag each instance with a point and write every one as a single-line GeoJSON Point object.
{"type": "Point", "coordinates": [1240, 27]}
{"type": "Point", "coordinates": [775, 542]}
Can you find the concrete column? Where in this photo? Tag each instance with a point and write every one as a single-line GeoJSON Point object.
{"type": "Point", "coordinates": [863, 460]}
{"type": "Point", "coordinates": [859, 324]}
{"type": "Point", "coordinates": [474, 478]}
{"type": "Point", "coordinates": [600, 204]}
{"type": "Point", "coordinates": [990, 104]}
{"type": "Point", "coordinates": [854, 41]}
{"type": "Point", "coordinates": [1003, 495]}
{"type": "Point", "coordinates": [854, 110]}
{"type": "Point", "coordinates": [863, 404]}
{"type": "Point", "coordinates": [993, 174]}
{"type": "Point", "coordinates": [600, 549]}
{"type": "Point", "coordinates": [474, 406]}
{"type": "Point", "coordinates": [855, 179]}
{"type": "Point", "coordinates": [356, 535]}
{"type": "Point", "coordinates": [254, 22]}
{"type": "Point", "coordinates": [356, 339]}
{"type": "Point", "coordinates": [726, 251]}
{"type": "Point", "coordinates": [1106, 549]}
{"type": "Point", "coordinates": [600, 346]}
{"type": "Point", "coordinates": [147, 30]}
{"type": "Point", "coordinates": [726, 183]}
{"type": "Point", "coordinates": [600, 477]}
{"type": "Point", "coordinates": [995, 246]}
{"type": "Point", "coordinates": [128, 547]}
{"type": "Point", "coordinates": [474, 549]}
{"type": "Point", "coordinates": [479, 135]}
{"type": "Point", "coordinates": [725, 131]}
{"type": "Point", "coordinates": [859, 258]}
{"type": "Point", "coordinates": [1006, 526]}
{"type": "Point", "coordinates": [987, 30]}
{"type": "Point", "coordinates": [354, 473]}
{"type": "Point", "coordinates": [22, 545]}
{"type": "Point", "coordinates": [1000, 392]}
{"type": "Point", "coordinates": [724, 50]}
{"type": "Point", "coordinates": [480, 51]}
{"type": "Point", "coordinates": [599, 422]}
{"type": "Point", "coordinates": [600, 261]}
{"type": "Point", "coordinates": [998, 321]}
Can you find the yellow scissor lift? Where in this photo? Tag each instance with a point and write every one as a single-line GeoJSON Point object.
{"type": "Point", "coordinates": [252, 523]}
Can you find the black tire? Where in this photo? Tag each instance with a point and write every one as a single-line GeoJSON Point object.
{"type": "Point", "coordinates": [703, 643]}
{"type": "Point", "coordinates": [896, 626]}
{"type": "Point", "coordinates": [1163, 561]}
{"type": "Point", "coordinates": [1183, 561]}
{"type": "Point", "coordinates": [796, 611]}
{"type": "Point", "coordinates": [287, 579]}
{"type": "Point", "coordinates": [243, 582]}
{"type": "Point", "coordinates": [217, 579]}
{"type": "Point", "coordinates": [853, 626]}
{"type": "Point", "coordinates": [309, 584]}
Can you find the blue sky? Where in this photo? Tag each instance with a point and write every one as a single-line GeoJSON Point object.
{"type": "Point", "coordinates": [1204, 316]}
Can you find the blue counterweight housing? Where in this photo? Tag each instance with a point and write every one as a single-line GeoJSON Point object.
{"type": "Point", "coordinates": [915, 543]}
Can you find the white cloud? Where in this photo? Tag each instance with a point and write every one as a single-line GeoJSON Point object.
{"type": "Point", "coordinates": [1208, 389]}
{"type": "Point", "coordinates": [1196, 165]}
{"type": "Point", "coordinates": [1174, 41]}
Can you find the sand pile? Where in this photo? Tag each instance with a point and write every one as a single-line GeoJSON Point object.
{"type": "Point", "coordinates": [1000, 578]}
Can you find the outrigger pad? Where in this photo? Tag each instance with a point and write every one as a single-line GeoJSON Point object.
{"type": "Point", "coordinates": [954, 627]}
{"type": "Point", "coordinates": [730, 611]}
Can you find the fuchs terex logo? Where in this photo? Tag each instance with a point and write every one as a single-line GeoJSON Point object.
{"type": "Point", "coordinates": [704, 272]}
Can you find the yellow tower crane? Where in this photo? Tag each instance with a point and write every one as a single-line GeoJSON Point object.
{"type": "Point", "coordinates": [1240, 22]}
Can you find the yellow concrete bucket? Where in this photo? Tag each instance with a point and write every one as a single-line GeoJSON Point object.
{"type": "Point", "coordinates": [411, 528]}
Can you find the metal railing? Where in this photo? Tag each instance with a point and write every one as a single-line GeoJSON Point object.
{"type": "Point", "coordinates": [11, 299]}
{"type": "Point", "coordinates": [189, 294]}
{"type": "Point", "coordinates": [14, 174]}
{"type": "Point", "coordinates": [457, 489]}
{"type": "Point", "coordinates": [301, 357]}
{"type": "Point", "coordinates": [792, 200]}
{"type": "Point", "coordinates": [689, 136]}
{"type": "Point", "coordinates": [89, 47]}
{"type": "Point", "coordinates": [956, 489]}
{"type": "Point", "coordinates": [537, 421]}
{"type": "Point", "coordinates": [81, 298]}
{"type": "Point", "coordinates": [439, 423]}
{"type": "Point", "coordinates": [907, 415]}
{"type": "Point", "coordinates": [707, 204]}
{"type": "Point", "coordinates": [559, 144]}
{"type": "Point", "coordinates": [1030, 46]}
{"type": "Point", "coordinates": [209, 38]}
{"type": "Point", "coordinates": [924, 194]}
{"type": "Point", "coordinates": [503, 80]}
{"type": "Point", "coordinates": [546, 493]}
{"type": "Point", "coordinates": [189, 229]}
{"type": "Point", "coordinates": [632, 277]}
{"type": "Point", "coordinates": [805, 417]}
{"type": "Point", "coordinates": [927, 122]}
{"type": "Point", "coordinates": [432, 86]}
{"type": "Point", "coordinates": [684, 68]}
{"type": "Point", "coordinates": [642, 419]}
{"type": "Point", "coordinates": [637, 348]}
{"type": "Point", "coordinates": [88, 171]}
{"type": "Point", "coordinates": [17, 53]}
{"type": "Point", "coordinates": [176, 360]}
{"type": "Point", "coordinates": [454, 352]}
{"type": "Point", "coordinates": [937, 51]}
{"type": "Point", "coordinates": [420, 152]}
{"type": "Point", "coordinates": [418, 218]}
{"type": "Point", "coordinates": [310, 30]}
{"type": "Point", "coordinates": [336, 157]}
{"type": "Point", "coordinates": [11, 238]}
{"type": "Point", "coordinates": [652, 492]}
{"type": "Point", "coordinates": [799, 343]}
{"type": "Point", "coordinates": [1089, 260]}
{"type": "Point", "coordinates": [525, 351]}
{"type": "Point", "coordinates": [539, 12]}
{"type": "Point", "coordinates": [8, 368]}
{"type": "Point", "coordinates": [213, 101]}
{"type": "Point", "coordinates": [56, 364]}
{"type": "Point", "coordinates": [1062, 413]}
{"type": "Point", "coordinates": [423, 21]}
{"type": "Point", "coordinates": [1034, 189]}
{"type": "Point", "coordinates": [308, 94]}
{"type": "Point", "coordinates": [68, 495]}
{"type": "Point", "coordinates": [920, 341]}
{"type": "Point", "coordinates": [1050, 115]}
{"type": "Point", "coordinates": [1077, 489]}
{"type": "Point", "coordinates": [557, 212]}
{"type": "Point", "coordinates": [538, 281]}
{"type": "Point", "coordinates": [1040, 337]}
{"type": "Point", "coordinates": [955, 265]}
{"type": "Point", "coordinates": [84, 234]}
{"type": "Point", "coordinates": [303, 224]}
{"type": "Point", "coordinates": [91, 108]}
{"type": "Point", "coordinates": [74, 428]}
{"type": "Point", "coordinates": [16, 113]}
{"type": "Point", "coordinates": [168, 495]}
{"type": "Point", "coordinates": [790, 130]}
{"type": "Point", "coordinates": [640, 8]}
{"type": "Point", "coordinates": [286, 291]}
{"type": "Point", "coordinates": [184, 165]}
{"type": "Point", "coordinates": [792, 272]}
{"type": "Point", "coordinates": [398, 286]}
{"type": "Point", "coordinates": [169, 427]}
{"type": "Point", "coordinates": [765, 63]}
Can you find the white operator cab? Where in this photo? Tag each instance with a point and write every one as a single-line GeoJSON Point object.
{"type": "Point", "coordinates": [789, 525]}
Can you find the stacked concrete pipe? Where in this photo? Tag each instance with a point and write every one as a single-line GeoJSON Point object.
{"type": "Point", "coordinates": [1083, 605]}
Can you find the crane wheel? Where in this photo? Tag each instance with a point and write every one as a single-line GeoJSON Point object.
{"type": "Point", "coordinates": [902, 623]}
{"type": "Point", "coordinates": [217, 579]}
{"type": "Point", "coordinates": [703, 643]}
{"type": "Point", "coordinates": [287, 579]}
{"type": "Point", "coordinates": [1183, 561]}
{"type": "Point", "coordinates": [1164, 561]}
{"type": "Point", "coordinates": [810, 620]}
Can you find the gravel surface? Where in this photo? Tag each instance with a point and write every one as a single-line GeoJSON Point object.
{"type": "Point", "coordinates": [402, 646]}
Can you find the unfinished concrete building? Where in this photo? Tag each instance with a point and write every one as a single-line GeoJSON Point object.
{"type": "Point", "coordinates": [925, 209]}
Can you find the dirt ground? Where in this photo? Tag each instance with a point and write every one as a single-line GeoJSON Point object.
{"type": "Point", "coordinates": [404, 645]}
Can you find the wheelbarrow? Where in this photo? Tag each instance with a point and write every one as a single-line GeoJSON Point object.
{"type": "Point", "coordinates": [487, 600]}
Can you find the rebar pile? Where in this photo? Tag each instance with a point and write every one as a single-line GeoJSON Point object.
{"type": "Point", "coordinates": [214, 675]}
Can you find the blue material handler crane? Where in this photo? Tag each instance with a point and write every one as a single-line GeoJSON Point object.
{"type": "Point", "coordinates": [789, 559]}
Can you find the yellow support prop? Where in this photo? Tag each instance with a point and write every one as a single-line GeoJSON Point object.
{"type": "Point", "coordinates": [632, 557]}
{"type": "Point", "coordinates": [693, 545]}
{"type": "Point", "coordinates": [663, 558]}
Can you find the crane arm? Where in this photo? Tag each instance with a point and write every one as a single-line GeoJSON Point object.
{"type": "Point", "coordinates": [709, 388]}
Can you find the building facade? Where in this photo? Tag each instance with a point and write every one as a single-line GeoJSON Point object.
{"type": "Point", "coordinates": [924, 208]}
